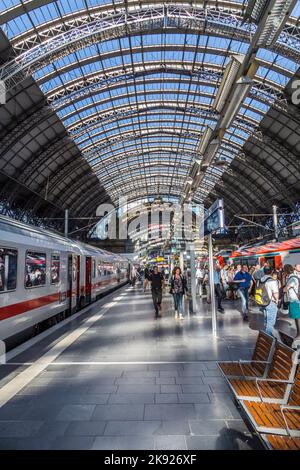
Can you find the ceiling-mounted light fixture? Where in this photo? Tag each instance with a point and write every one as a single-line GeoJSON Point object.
{"type": "Point", "coordinates": [270, 16]}
{"type": "Point", "coordinates": [210, 153]}
{"type": "Point", "coordinates": [229, 77]}
{"type": "Point", "coordinates": [242, 89]}
{"type": "Point", "coordinates": [205, 138]}
{"type": "Point", "coordinates": [255, 10]}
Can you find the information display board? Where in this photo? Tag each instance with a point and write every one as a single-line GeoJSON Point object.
{"type": "Point", "coordinates": [214, 219]}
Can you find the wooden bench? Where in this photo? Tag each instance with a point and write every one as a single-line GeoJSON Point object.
{"type": "Point", "coordinates": [282, 372]}
{"type": "Point", "coordinates": [277, 418]}
{"type": "Point", "coordinates": [275, 442]}
{"type": "Point", "coordinates": [258, 365]}
{"type": "Point", "coordinates": [285, 338]}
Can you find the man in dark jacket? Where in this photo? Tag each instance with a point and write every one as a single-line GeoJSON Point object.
{"type": "Point", "coordinates": [157, 284]}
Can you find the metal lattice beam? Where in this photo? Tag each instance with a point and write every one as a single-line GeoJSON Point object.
{"type": "Point", "coordinates": [75, 34]}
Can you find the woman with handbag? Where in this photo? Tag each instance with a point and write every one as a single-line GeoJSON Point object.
{"type": "Point", "coordinates": [178, 289]}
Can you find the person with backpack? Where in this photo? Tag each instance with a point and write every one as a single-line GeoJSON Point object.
{"type": "Point", "coordinates": [245, 281]}
{"type": "Point", "coordinates": [267, 297]}
{"type": "Point", "coordinates": [178, 289]}
{"type": "Point", "coordinates": [293, 291]}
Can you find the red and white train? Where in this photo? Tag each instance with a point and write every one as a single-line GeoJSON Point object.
{"type": "Point", "coordinates": [277, 254]}
{"type": "Point", "coordinates": [45, 277]}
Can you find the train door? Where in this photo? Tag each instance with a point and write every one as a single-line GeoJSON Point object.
{"type": "Point", "coordinates": [70, 281]}
{"type": "Point", "coordinates": [88, 279]}
{"type": "Point", "coordinates": [78, 282]}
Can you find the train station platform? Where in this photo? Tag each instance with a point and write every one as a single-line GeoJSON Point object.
{"type": "Point", "coordinates": [114, 377]}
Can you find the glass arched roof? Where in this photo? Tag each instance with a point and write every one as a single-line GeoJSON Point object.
{"type": "Point", "coordinates": [134, 82]}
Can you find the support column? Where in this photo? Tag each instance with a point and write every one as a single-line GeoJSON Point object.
{"type": "Point", "coordinates": [275, 222]}
{"type": "Point", "coordinates": [193, 280]}
{"type": "Point", "coordinates": [66, 222]}
{"type": "Point", "coordinates": [212, 286]}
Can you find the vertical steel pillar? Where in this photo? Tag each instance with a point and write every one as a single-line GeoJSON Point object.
{"type": "Point", "coordinates": [275, 222]}
{"type": "Point", "coordinates": [66, 222]}
{"type": "Point", "coordinates": [212, 286]}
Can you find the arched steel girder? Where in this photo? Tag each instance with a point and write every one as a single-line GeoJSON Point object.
{"type": "Point", "coordinates": [60, 40]}
{"type": "Point", "coordinates": [98, 126]}
{"type": "Point", "coordinates": [277, 151]}
{"type": "Point", "coordinates": [182, 154]}
{"type": "Point", "coordinates": [100, 80]}
{"type": "Point", "coordinates": [106, 9]}
{"type": "Point", "coordinates": [38, 166]}
{"type": "Point", "coordinates": [264, 171]}
{"type": "Point", "coordinates": [79, 186]}
{"type": "Point", "coordinates": [24, 125]}
{"type": "Point", "coordinates": [142, 108]}
{"type": "Point", "coordinates": [152, 188]}
{"type": "Point", "coordinates": [115, 167]}
{"type": "Point", "coordinates": [241, 184]}
{"type": "Point", "coordinates": [132, 98]}
{"type": "Point", "coordinates": [114, 76]}
{"type": "Point", "coordinates": [98, 145]}
{"type": "Point", "coordinates": [238, 189]}
{"type": "Point", "coordinates": [155, 172]}
{"type": "Point", "coordinates": [89, 150]}
{"type": "Point", "coordinates": [91, 59]}
{"type": "Point", "coordinates": [41, 160]}
{"type": "Point", "coordinates": [48, 173]}
{"type": "Point", "coordinates": [86, 204]}
{"type": "Point", "coordinates": [127, 138]}
{"type": "Point", "coordinates": [275, 141]}
{"type": "Point", "coordinates": [132, 140]}
{"type": "Point", "coordinates": [142, 122]}
{"type": "Point", "coordinates": [233, 207]}
{"type": "Point", "coordinates": [128, 135]}
{"type": "Point", "coordinates": [68, 170]}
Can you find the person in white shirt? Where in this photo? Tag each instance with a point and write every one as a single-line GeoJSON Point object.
{"type": "Point", "coordinates": [293, 291]}
{"type": "Point", "coordinates": [272, 289]}
{"type": "Point", "coordinates": [199, 281]}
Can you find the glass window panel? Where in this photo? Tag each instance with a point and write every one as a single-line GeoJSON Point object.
{"type": "Point", "coordinates": [8, 269]}
{"type": "Point", "coordinates": [55, 268]}
{"type": "Point", "coordinates": [35, 269]}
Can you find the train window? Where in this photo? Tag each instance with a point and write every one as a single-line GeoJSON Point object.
{"type": "Point", "coordinates": [55, 268]}
{"type": "Point", "coordinates": [8, 269]}
{"type": "Point", "coordinates": [93, 268]}
{"type": "Point", "coordinates": [99, 269]}
{"type": "Point", "coordinates": [35, 269]}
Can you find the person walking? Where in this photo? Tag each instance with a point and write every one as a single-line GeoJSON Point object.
{"type": "Point", "coordinates": [293, 291]}
{"type": "Point", "coordinates": [272, 290]}
{"type": "Point", "coordinates": [224, 279]}
{"type": "Point", "coordinates": [258, 273]}
{"type": "Point", "coordinates": [133, 274]}
{"type": "Point", "coordinates": [178, 289]}
{"type": "Point", "coordinates": [217, 287]}
{"type": "Point", "coordinates": [245, 282]}
{"type": "Point", "coordinates": [146, 278]}
{"type": "Point", "coordinates": [157, 284]}
{"type": "Point", "coordinates": [199, 280]}
{"type": "Point", "coordinates": [231, 284]}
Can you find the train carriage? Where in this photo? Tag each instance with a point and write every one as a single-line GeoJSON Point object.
{"type": "Point", "coordinates": [45, 277]}
{"type": "Point", "coordinates": [277, 254]}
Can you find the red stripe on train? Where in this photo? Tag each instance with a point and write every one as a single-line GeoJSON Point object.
{"type": "Point", "coordinates": [22, 307]}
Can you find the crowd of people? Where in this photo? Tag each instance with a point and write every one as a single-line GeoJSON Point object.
{"type": "Point", "coordinates": [268, 288]}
